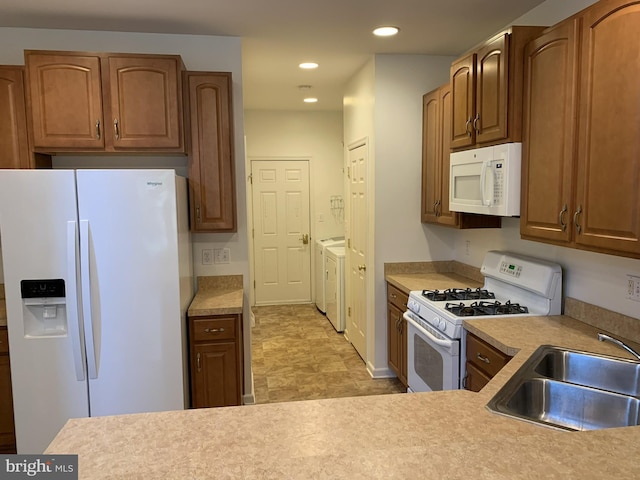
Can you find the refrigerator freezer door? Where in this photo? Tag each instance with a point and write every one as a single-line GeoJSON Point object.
{"type": "Point", "coordinates": [35, 208]}
{"type": "Point", "coordinates": [135, 293]}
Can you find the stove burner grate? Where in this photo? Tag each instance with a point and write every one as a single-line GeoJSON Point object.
{"type": "Point", "coordinates": [457, 294]}
{"type": "Point", "coordinates": [486, 308]}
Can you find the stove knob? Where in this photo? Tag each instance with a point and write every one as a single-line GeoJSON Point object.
{"type": "Point", "coordinates": [442, 325]}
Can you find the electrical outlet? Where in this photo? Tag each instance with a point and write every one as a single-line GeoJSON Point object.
{"type": "Point", "coordinates": [467, 247]}
{"type": "Point", "coordinates": [633, 287]}
{"type": "Point", "coordinates": [221, 255]}
{"type": "Point", "coordinates": [207, 256]}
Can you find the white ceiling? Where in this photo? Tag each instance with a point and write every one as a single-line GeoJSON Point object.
{"type": "Point", "coordinates": [279, 34]}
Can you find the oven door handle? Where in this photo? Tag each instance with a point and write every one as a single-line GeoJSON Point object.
{"type": "Point", "coordinates": [429, 335]}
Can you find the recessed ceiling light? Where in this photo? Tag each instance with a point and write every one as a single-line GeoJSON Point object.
{"type": "Point", "coordinates": [310, 100]}
{"type": "Point", "coordinates": [308, 65]}
{"type": "Point", "coordinates": [386, 31]}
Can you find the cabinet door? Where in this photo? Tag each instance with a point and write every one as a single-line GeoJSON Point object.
{"type": "Point", "coordinates": [490, 121]}
{"type": "Point", "coordinates": [548, 152]}
{"type": "Point", "coordinates": [463, 101]}
{"type": "Point", "coordinates": [215, 381]}
{"type": "Point", "coordinates": [607, 214]}
{"type": "Point", "coordinates": [145, 101]}
{"type": "Point", "coordinates": [431, 140]}
{"type": "Point", "coordinates": [392, 338]}
{"type": "Point", "coordinates": [445, 216]}
{"type": "Point", "coordinates": [14, 147]}
{"type": "Point", "coordinates": [211, 173]}
{"type": "Point", "coordinates": [65, 100]}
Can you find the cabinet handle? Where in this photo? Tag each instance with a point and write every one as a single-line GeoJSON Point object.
{"type": "Point", "coordinates": [198, 361]}
{"type": "Point", "coordinates": [466, 127]}
{"type": "Point", "coordinates": [575, 219]}
{"type": "Point", "coordinates": [563, 224]}
{"type": "Point", "coordinates": [438, 210]}
{"type": "Point", "coordinates": [98, 129]}
{"type": "Point", "coordinates": [475, 123]}
{"type": "Point", "coordinates": [394, 296]}
{"type": "Point", "coordinates": [482, 358]}
{"type": "Point", "coordinates": [362, 268]}
{"type": "Point", "coordinates": [213, 330]}
{"type": "Point", "coordinates": [198, 213]}
{"type": "Point", "coordinates": [116, 129]}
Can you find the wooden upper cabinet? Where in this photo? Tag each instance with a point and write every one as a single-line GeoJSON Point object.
{"type": "Point", "coordinates": [463, 101]}
{"type": "Point", "coordinates": [14, 145]}
{"type": "Point", "coordinates": [487, 91]}
{"type": "Point", "coordinates": [437, 108]}
{"type": "Point", "coordinates": [548, 153]}
{"type": "Point", "coordinates": [490, 120]}
{"type": "Point", "coordinates": [90, 102]}
{"type": "Point", "coordinates": [65, 100]}
{"type": "Point", "coordinates": [145, 101]}
{"type": "Point", "coordinates": [607, 214]}
{"type": "Point", "coordinates": [211, 166]}
{"type": "Point", "coordinates": [431, 139]}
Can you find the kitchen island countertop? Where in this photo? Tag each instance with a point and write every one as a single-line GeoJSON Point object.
{"type": "Point", "coordinates": [425, 435]}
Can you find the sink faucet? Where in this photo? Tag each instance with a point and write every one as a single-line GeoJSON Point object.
{"type": "Point", "coordinates": [602, 337]}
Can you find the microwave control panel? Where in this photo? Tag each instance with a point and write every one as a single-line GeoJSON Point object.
{"type": "Point", "coordinates": [498, 190]}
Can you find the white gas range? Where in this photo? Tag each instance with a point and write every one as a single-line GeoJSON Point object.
{"type": "Point", "coordinates": [514, 285]}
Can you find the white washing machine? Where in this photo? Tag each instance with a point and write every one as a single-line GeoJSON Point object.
{"type": "Point", "coordinates": [320, 271]}
{"type": "Point", "coordinates": [334, 262]}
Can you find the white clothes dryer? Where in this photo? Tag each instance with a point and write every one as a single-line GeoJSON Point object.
{"type": "Point", "coordinates": [320, 271]}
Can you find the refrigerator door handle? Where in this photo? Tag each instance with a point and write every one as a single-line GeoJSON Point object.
{"type": "Point", "coordinates": [86, 298]}
{"type": "Point", "coordinates": [73, 318]}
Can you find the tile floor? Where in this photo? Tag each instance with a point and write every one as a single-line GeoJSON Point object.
{"type": "Point", "coordinates": [297, 355]}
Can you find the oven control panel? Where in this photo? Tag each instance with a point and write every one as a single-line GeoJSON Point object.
{"type": "Point", "coordinates": [511, 269]}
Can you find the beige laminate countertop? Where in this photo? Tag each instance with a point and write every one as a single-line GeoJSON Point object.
{"type": "Point", "coordinates": [432, 435]}
{"type": "Point", "coordinates": [217, 296]}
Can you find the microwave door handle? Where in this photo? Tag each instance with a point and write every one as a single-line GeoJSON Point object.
{"type": "Point", "coordinates": [487, 190]}
{"type": "Point", "coordinates": [483, 176]}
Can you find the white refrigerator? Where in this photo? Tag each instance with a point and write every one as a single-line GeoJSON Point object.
{"type": "Point", "coordinates": [98, 278]}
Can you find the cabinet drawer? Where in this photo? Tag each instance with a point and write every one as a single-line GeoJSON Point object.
{"type": "Point", "coordinates": [208, 329]}
{"type": "Point", "coordinates": [397, 297]}
{"type": "Point", "coordinates": [4, 341]}
{"type": "Point", "coordinates": [485, 357]}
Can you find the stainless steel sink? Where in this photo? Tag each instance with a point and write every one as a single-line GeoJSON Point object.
{"type": "Point", "coordinates": [572, 390]}
{"type": "Point", "coordinates": [606, 373]}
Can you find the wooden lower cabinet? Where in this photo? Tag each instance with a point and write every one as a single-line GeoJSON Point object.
{"type": "Point", "coordinates": [483, 363]}
{"type": "Point", "coordinates": [7, 427]}
{"type": "Point", "coordinates": [397, 332]}
{"type": "Point", "coordinates": [216, 361]}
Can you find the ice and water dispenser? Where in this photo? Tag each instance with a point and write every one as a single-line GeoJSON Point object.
{"type": "Point", "coordinates": [44, 307]}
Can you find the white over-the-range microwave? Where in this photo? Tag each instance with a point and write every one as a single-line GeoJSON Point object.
{"type": "Point", "coordinates": [486, 180]}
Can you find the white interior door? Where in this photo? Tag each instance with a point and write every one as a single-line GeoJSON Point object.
{"type": "Point", "coordinates": [282, 247]}
{"type": "Point", "coordinates": [356, 249]}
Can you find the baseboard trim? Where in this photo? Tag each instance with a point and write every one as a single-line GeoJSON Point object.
{"type": "Point", "coordinates": [380, 372]}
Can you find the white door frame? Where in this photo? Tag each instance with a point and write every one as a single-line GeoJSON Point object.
{"type": "Point", "coordinates": [250, 224]}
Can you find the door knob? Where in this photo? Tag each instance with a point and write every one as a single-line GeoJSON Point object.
{"type": "Point", "coordinates": [305, 238]}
